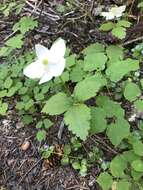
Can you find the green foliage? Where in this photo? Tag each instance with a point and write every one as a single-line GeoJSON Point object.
{"type": "Point", "coordinates": [105, 181]}
{"type": "Point", "coordinates": [117, 29]}
{"type": "Point", "coordinates": [132, 91]}
{"type": "Point", "coordinates": [57, 104]}
{"type": "Point", "coordinates": [78, 117]}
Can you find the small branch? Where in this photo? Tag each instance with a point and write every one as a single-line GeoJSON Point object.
{"type": "Point", "coordinates": [132, 41]}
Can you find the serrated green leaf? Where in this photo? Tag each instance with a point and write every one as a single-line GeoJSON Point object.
{"type": "Point", "coordinates": [15, 42]}
{"type": "Point", "coordinates": [113, 50]}
{"type": "Point", "coordinates": [57, 104]}
{"type": "Point", "coordinates": [93, 84]}
{"type": "Point", "coordinates": [98, 121]}
{"type": "Point", "coordinates": [105, 181]}
{"type": "Point", "coordinates": [124, 23]}
{"type": "Point", "coordinates": [8, 82]}
{"type": "Point", "coordinates": [3, 108]}
{"type": "Point", "coordinates": [119, 32]}
{"type": "Point", "coordinates": [41, 135]}
{"type": "Point", "coordinates": [77, 118]}
{"type": "Point", "coordinates": [117, 70]}
{"type": "Point", "coordinates": [137, 165]}
{"type": "Point", "coordinates": [94, 61]}
{"type": "Point", "coordinates": [94, 48]}
{"type": "Point", "coordinates": [107, 26]}
{"type": "Point", "coordinates": [138, 148]}
{"type": "Point", "coordinates": [139, 105]}
{"type": "Point", "coordinates": [117, 166]}
{"type": "Point", "coordinates": [132, 91]}
{"type": "Point", "coordinates": [118, 131]}
{"type": "Point", "coordinates": [123, 185]}
{"type": "Point", "coordinates": [47, 123]}
{"type": "Point", "coordinates": [77, 73]}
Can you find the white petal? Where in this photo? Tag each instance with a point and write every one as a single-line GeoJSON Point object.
{"type": "Point", "coordinates": [41, 51]}
{"type": "Point", "coordinates": [108, 15]}
{"type": "Point", "coordinates": [34, 70]}
{"type": "Point", "coordinates": [58, 49]}
{"type": "Point", "coordinates": [122, 8]}
{"type": "Point", "coordinates": [58, 68]}
{"type": "Point", "coordinates": [46, 77]}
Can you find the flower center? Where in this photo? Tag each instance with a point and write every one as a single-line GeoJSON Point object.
{"type": "Point", "coordinates": [45, 61]}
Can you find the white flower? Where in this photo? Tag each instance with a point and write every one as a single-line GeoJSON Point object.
{"type": "Point", "coordinates": [50, 62]}
{"type": "Point", "coordinates": [114, 12]}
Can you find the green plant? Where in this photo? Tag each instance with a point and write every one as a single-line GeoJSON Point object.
{"type": "Point", "coordinates": [117, 29]}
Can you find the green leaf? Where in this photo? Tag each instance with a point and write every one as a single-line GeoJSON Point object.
{"type": "Point", "coordinates": [123, 185]}
{"type": "Point", "coordinates": [132, 91]}
{"type": "Point", "coordinates": [65, 76]}
{"type": "Point", "coordinates": [3, 108]}
{"type": "Point", "coordinates": [47, 123]}
{"type": "Point", "coordinates": [107, 26]}
{"type": "Point", "coordinates": [117, 70]}
{"type": "Point", "coordinates": [124, 23]}
{"type": "Point", "coordinates": [3, 93]}
{"type": "Point", "coordinates": [118, 131]}
{"type": "Point", "coordinates": [136, 175]}
{"type": "Point", "coordinates": [70, 61]}
{"type": "Point", "coordinates": [98, 121]}
{"type": "Point", "coordinates": [138, 148]}
{"type": "Point", "coordinates": [27, 119]}
{"type": "Point", "coordinates": [139, 105]}
{"type": "Point", "coordinates": [113, 50]}
{"type": "Point", "coordinates": [140, 5]}
{"type": "Point", "coordinates": [77, 117]}
{"type": "Point", "coordinates": [77, 73]}
{"type": "Point", "coordinates": [117, 166]}
{"type": "Point", "coordinates": [11, 91]}
{"type": "Point", "coordinates": [39, 125]}
{"type": "Point", "coordinates": [137, 165]}
{"type": "Point", "coordinates": [119, 32]}
{"type": "Point", "coordinates": [41, 135]}
{"type": "Point", "coordinates": [105, 180]}
{"type": "Point", "coordinates": [94, 61]}
{"type": "Point", "coordinates": [8, 82]}
{"type": "Point", "coordinates": [93, 84]}
{"type": "Point", "coordinates": [94, 48]}
{"type": "Point", "coordinates": [57, 104]}
{"type": "Point", "coordinates": [25, 24]}
{"type": "Point", "coordinates": [15, 42]}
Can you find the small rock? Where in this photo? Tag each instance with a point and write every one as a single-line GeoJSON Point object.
{"type": "Point", "coordinates": [10, 162]}
{"type": "Point", "coordinates": [19, 125]}
{"type": "Point", "coordinates": [25, 145]}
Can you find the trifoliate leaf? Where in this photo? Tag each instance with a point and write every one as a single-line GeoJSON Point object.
{"type": "Point", "coordinates": [132, 91]}
{"type": "Point", "coordinates": [138, 148]}
{"type": "Point", "coordinates": [117, 70]}
{"type": "Point", "coordinates": [98, 121]}
{"type": "Point", "coordinates": [105, 181]}
{"type": "Point", "coordinates": [57, 104]}
{"type": "Point", "coordinates": [119, 32]}
{"type": "Point", "coordinates": [123, 184]}
{"type": "Point", "coordinates": [107, 26]}
{"type": "Point", "coordinates": [118, 131]}
{"type": "Point", "coordinates": [94, 61]}
{"type": "Point", "coordinates": [94, 48]}
{"type": "Point", "coordinates": [117, 166]}
{"type": "Point", "coordinates": [139, 105]}
{"type": "Point", "coordinates": [93, 84]}
{"type": "Point", "coordinates": [137, 165]}
{"type": "Point", "coordinates": [77, 118]}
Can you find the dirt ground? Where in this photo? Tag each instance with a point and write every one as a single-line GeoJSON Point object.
{"type": "Point", "coordinates": [24, 169]}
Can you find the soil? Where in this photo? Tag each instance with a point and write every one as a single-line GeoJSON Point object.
{"type": "Point", "coordinates": [21, 166]}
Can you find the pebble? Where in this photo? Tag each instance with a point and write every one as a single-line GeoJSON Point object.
{"type": "Point", "coordinates": [25, 145]}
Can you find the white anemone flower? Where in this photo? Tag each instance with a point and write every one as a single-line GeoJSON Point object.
{"type": "Point", "coordinates": [114, 12]}
{"type": "Point", "coordinates": [50, 62]}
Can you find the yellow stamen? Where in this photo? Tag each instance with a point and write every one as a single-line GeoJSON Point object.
{"type": "Point", "coordinates": [45, 61]}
